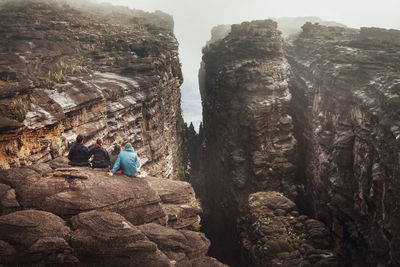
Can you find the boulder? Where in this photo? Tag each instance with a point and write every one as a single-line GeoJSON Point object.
{"type": "Point", "coordinates": [36, 237]}
{"type": "Point", "coordinates": [180, 246]}
{"type": "Point", "coordinates": [108, 239]}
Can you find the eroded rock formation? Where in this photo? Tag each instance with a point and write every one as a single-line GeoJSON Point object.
{"type": "Point", "coordinates": [78, 215]}
{"type": "Point", "coordinates": [317, 120]}
{"type": "Point", "coordinates": [248, 132]}
{"type": "Point", "coordinates": [100, 71]}
{"type": "Point", "coordinates": [346, 110]}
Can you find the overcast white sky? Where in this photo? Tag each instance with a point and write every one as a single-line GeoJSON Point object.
{"type": "Point", "coordinates": [195, 18]}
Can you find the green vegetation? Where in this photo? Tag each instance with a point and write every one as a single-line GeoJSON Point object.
{"type": "Point", "coordinates": [59, 72]}
{"type": "Point", "coordinates": [257, 204]}
{"type": "Point", "coordinates": [176, 68]}
{"type": "Point", "coordinates": [114, 93]}
{"type": "Point", "coordinates": [180, 133]}
{"type": "Point", "coordinates": [294, 236]}
{"type": "Point", "coordinates": [14, 109]}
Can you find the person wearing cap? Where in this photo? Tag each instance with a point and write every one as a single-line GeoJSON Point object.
{"type": "Point", "coordinates": [127, 161]}
{"type": "Point", "coordinates": [101, 159]}
{"type": "Point", "coordinates": [79, 153]}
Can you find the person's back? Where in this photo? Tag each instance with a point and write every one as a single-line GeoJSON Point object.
{"type": "Point", "coordinates": [114, 155]}
{"type": "Point", "coordinates": [101, 158]}
{"type": "Point", "coordinates": [79, 153]}
{"type": "Point", "coordinates": [128, 161]}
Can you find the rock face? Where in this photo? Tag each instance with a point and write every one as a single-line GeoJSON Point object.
{"type": "Point", "coordinates": [316, 120]}
{"type": "Point", "coordinates": [248, 132]}
{"type": "Point", "coordinates": [276, 235]}
{"type": "Point", "coordinates": [102, 71]}
{"type": "Point", "coordinates": [82, 216]}
{"type": "Point", "coordinates": [346, 89]}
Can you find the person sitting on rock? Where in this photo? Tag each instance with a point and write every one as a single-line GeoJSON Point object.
{"type": "Point", "coordinates": [114, 155]}
{"type": "Point", "coordinates": [79, 153]}
{"type": "Point", "coordinates": [127, 161]}
{"type": "Point", "coordinates": [101, 159]}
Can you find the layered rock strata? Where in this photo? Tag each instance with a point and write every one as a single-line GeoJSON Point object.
{"type": "Point", "coordinates": [346, 103]}
{"type": "Point", "coordinates": [317, 122]}
{"type": "Point", "coordinates": [248, 131]}
{"type": "Point", "coordinates": [275, 234]}
{"type": "Point", "coordinates": [65, 215]}
{"type": "Point", "coordinates": [100, 71]}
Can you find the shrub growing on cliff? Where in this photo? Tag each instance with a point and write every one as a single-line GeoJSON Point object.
{"type": "Point", "coordinates": [59, 72]}
{"type": "Point", "coordinates": [14, 110]}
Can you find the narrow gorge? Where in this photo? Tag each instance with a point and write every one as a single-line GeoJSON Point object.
{"type": "Point", "coordinates": [313, 122]}
{"type": "Point", "coordinates": [296, 162]}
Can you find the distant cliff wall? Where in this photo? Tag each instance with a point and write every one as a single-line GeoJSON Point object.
{"type": "Point", "coordinates": [346, 106]}
{"type": "Point", "coordinates": [316, 120]}
{"type": "Point", "coordinates": [103, 71]}
{"type": "Point", "coordinates": [249, 145]}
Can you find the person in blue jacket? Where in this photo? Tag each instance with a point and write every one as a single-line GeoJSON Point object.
{"type": "Point", "coordinates": [127, 161]}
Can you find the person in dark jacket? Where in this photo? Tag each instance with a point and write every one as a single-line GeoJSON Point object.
{"type": "Point", "coordinates": [79, 153]}
{"type": "Point", "coordinates": [114, 155]}
{"type": "Point", "coordinates": [128, 161]}
{"type": "Point", "coordinates": [101, 159]}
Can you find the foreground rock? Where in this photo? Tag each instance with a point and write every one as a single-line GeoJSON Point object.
{"type": "Point", "coordinates": [108, 239]}
{"type": "Point", "coordinates": [30, 236]}
{"type": "Point", "coordinates": [115, 221]}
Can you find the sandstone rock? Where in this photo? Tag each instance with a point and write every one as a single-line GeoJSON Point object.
{"type": "Point", "coordinates": [178, 202]}
{"type": "Point", "coordinates": [349, 135]}
{"type": "Point", "coordinates": [58, 193]}
{"type": "Point", "coordinates": [206, 261]}
{"type": "Point", "coordinates": [90, 69]}
{"type": "Point", "coordinates": [34, 236]}
{"type": "Point", "coordinates": [281, 238]}
{"type": "Point", "coordinates": [248, 133]}
{"type": "Point", "coordinates": [107, 238]}
{"type": "Point", "coordinates": [180, 246]}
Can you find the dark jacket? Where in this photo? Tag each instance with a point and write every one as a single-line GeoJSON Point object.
{"type": "Point", "coordinates": [113, 158]}
{"type": "Point", "coordinates": [100, 157]}
{"type": "Point", "coordinates": [78, 155]}
{"type": "Point", "coordinates": [128, 161]}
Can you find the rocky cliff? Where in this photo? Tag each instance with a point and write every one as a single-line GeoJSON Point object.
{"type": "Point", "coordinates": [95, 70]}
{"type": "Point", "coordinates": [316, 120]}
{"type": "Point", "coordinates": [346, 104]}
{"type": "Point", "coordinates": [99, 71]}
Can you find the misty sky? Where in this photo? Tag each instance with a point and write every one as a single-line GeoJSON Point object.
{"type": "Point", "coordinates": [194, 20]}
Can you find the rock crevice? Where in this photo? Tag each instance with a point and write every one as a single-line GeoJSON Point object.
{"type": "Point", "coordinates": [316, 119]}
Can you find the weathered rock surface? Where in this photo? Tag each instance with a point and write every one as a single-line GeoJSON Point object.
{"type": "Point", "coordinates": [276, 235]}
{"type": "Point", "coordinates": [108, 239]}
{"type": "Point", "coordinates": [100, 71]}
{"type": "Point", "coordinates": [248, 132]}
{"type": "Point", "coordinates": [115, 221]}
{"type": "Point", "coordinates": [31, 235]}
{"type": "Point", "coordinates": [180, 246]}
{"type": "Point", "coordinates": [346, 112]}
{"type": "Point", "coordinates": [318, 122]}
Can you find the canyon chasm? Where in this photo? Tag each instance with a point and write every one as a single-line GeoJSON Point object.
{"type": "Point", "coordinates": [296, 162]}
{"type": "Point", "coordinates": [300, 145]}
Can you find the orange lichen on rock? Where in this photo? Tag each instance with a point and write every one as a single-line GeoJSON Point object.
{"type": "Point", "coordinates": [30, 146]}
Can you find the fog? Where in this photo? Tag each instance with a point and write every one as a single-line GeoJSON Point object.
{"type": "Point", "coordinates": [194, 20]}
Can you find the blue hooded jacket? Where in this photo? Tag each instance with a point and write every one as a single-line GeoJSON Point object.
{"type": "Point", "coordinates": [128, 161]}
